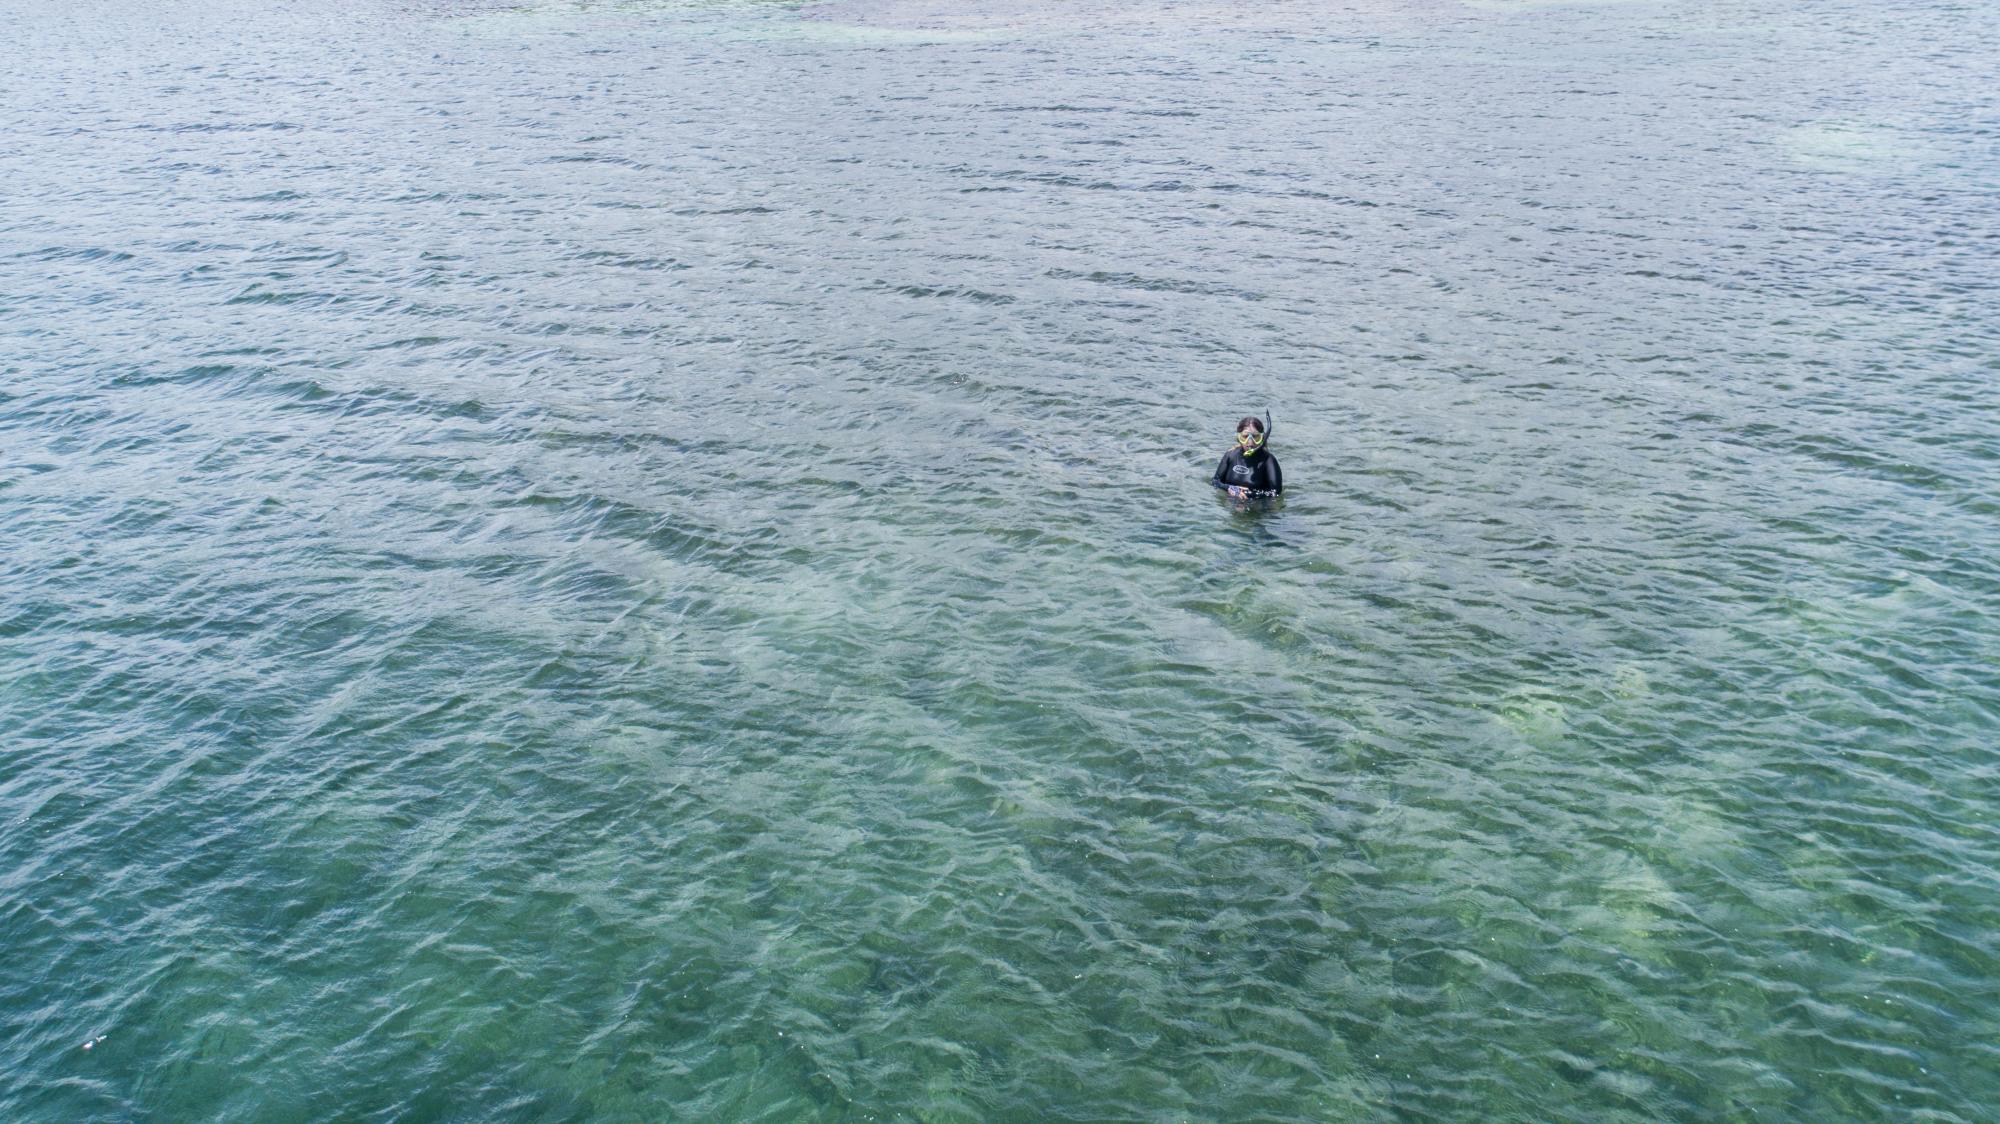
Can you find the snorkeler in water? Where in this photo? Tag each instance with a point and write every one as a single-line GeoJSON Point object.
{"type": "Point", "coordinates": [1249, 469]}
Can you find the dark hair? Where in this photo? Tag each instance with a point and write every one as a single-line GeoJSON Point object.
{"type": "Point", "coordinates": [1254, 423]}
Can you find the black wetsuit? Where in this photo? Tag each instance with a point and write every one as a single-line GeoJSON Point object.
{"type": "Point", "coordinates": [1257, 472]}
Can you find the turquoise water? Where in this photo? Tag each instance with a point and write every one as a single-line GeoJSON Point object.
{"type": "Point", "coordinates": [653, 562]}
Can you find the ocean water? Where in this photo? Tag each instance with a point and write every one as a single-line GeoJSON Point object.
{"type": "Point", "coordinates": [652, 561]}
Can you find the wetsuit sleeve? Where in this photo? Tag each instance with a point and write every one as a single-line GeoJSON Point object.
{"type": "Point", "coordinates": [1277, 478]}
{"type": "Point", "coordinates": [1221, 466]}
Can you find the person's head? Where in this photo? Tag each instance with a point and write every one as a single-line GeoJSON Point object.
{"type": "Point", "coordinates": [1250, 435]}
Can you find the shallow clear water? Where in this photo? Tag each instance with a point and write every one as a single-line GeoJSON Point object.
{"type": "Point", "coordinates": [653, 561]}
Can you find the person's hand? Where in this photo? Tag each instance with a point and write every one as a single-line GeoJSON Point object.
{"type": "Point", "coordinates": [1238, 491]}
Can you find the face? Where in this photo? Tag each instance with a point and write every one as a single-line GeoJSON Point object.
{"type": "Point", "coordinates": [1249, 438]}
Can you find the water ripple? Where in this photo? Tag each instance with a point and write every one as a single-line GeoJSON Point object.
{"type": "Point", "coordinates": [616, 561]}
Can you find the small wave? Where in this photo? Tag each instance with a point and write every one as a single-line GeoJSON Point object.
{"type": "Point", "coordinates": [75, 253]}
{"type": "Point", "coordinates": [979, 296]}
{"type": "Point", "coordinates": [1153, 284]}
{"type": "Point", "coordinates": [596, 158]}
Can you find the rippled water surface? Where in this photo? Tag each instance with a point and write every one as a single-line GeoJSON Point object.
{"type": "Point", "coordinates": [653, 561]}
